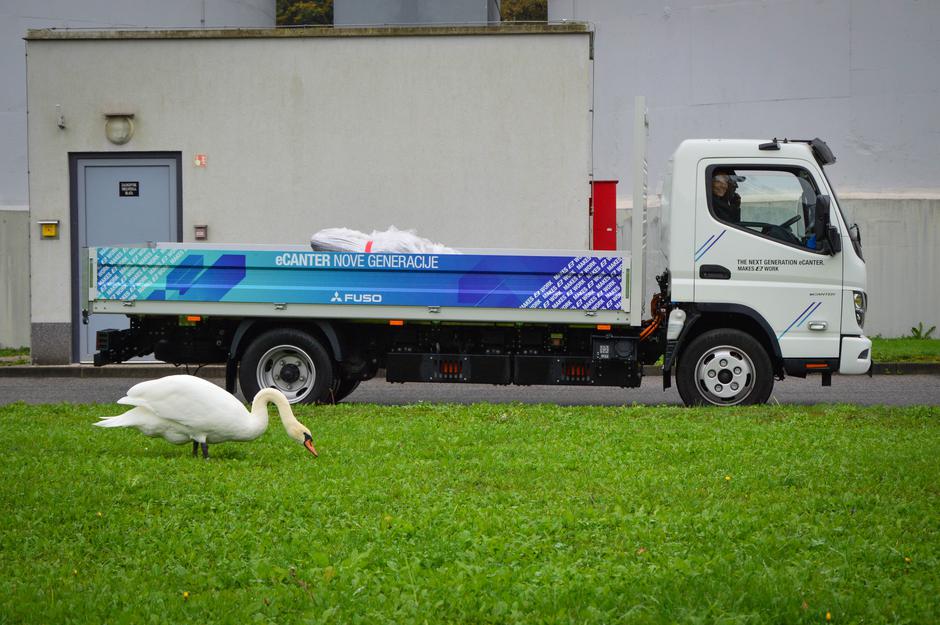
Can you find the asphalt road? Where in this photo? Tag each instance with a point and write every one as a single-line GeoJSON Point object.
{"type": "Point", "coordinates": [897, 390]}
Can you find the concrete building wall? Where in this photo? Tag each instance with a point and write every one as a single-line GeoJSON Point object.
{"type": "Point", "coordinates": [861, 74]}
{"type": "Point", "coordinates": [14, 282]}
{"type": "Point", "coordinates": [475, 140]}
{"type": "Point", "coordinates": [901, 242]}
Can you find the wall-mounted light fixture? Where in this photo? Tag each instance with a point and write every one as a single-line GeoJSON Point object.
{"type": "Point", "coordinates": [119, 127]}
{"type": "Point", "coordinates": [201, 232]}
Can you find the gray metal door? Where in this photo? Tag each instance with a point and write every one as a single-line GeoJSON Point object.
{"type": "Point", "coordinates": [125, 201]}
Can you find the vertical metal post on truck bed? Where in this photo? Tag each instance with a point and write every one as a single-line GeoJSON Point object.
{"type": "Point", "coordinates": [638, 212]}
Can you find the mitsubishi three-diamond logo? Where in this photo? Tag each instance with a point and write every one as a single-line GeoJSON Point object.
{"type": "Point", "coordinates": [356, 298]}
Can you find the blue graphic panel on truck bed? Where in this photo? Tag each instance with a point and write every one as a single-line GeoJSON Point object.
{"type": "Point", "coordinates": [492, 281]}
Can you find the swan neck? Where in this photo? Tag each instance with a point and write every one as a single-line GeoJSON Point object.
{"type": "Point", "coordinates": [259, 407]}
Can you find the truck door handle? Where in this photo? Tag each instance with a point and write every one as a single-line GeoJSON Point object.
{"type": "Point", "coordinates": [714, 272]}
{"type": "Point", "coordinates": [818, 326]}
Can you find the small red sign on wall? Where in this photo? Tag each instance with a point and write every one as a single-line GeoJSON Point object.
{"type": "Point", "coordinates": [201, 160]}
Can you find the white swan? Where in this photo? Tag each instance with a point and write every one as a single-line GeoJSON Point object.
{"type": "Point", "coordinates": [183, 408]}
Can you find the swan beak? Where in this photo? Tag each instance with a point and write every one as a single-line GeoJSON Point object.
{"type": "Point", "coordinates": [308, 443]}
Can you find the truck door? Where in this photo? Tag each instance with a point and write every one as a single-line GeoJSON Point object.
{"type": "Point", "coordinates": [754, 247]}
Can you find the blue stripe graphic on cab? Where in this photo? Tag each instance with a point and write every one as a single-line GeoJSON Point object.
{"type": "Point", "coordinates": [708, 244]}
{"type": "Point", "coordinates": [802, 317]}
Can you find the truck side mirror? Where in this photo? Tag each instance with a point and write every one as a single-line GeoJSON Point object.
{"type": "Point", "coordinates": [827, 235]}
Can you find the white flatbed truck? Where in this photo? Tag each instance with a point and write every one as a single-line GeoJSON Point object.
{"type": "Point", "coordinates": [765, 282]}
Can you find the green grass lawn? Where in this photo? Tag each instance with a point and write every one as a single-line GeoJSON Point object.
{"type": "Point", "coordinates": [905, 350]}
{"type": "Point", "coordinates": [14, 356]}
{"type": "Point", "coordinates": [485, 513]}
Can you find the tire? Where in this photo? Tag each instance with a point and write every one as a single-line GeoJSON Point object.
{"type": "Point", "coordinates": [291, 361]}
{"type": "Point", "coordinates": [342, 389]}
{"type": "Point", "coordinates": [724, 368]}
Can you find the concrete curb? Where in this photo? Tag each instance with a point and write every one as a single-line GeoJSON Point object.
{"type": "Point", "coordinates": [149, 370]}
{"type": "Point", "coordinates": [906, 368]}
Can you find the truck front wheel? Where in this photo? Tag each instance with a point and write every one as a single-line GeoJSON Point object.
{"type": "Point", "coordinates": [289, 360]}
{"type": "Point", "coordinates": [724, 368]}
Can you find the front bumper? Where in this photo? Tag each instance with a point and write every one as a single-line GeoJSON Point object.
{"type": "Point", "coordinates": [855, 356]}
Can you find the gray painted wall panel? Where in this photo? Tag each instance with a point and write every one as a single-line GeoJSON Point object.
{"type": "Point", "coordinates": [859, 73]}
{"type": "Point", "coordinates": [791, 50]}
{"type": "Point", "coordinates": [13, 161]}
{"type": "Point", "coordinates": [143, 13]}
{"type": "Point", "coordinates": [14, 278]}
{"type": "Point", "coordinates": [895, 47]}
{"type": "Point", "coordinates": [384, 12]}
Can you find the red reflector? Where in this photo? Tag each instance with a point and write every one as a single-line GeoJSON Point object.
{"type": "Point", "coordinates": [396, 322]}
{"type": "Point", "coordinates": [816, 365]}
{"type": "Point", "coordinates": [603, 326]}
{"type": "Point", "coordinates": [193, 318]}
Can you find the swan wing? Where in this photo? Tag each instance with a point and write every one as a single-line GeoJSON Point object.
{"type": "Point", "coordinates": [149, 424]}
{"type": "Point", "coordinates": [194, 403]}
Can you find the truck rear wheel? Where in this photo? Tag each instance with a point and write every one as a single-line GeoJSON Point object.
{"type": "Point", "coordinates": [289, 360]}
{"type": "Point", "coordinates": [724, 368]}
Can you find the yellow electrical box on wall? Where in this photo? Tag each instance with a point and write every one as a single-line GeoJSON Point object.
{"type": "Point", "coordinates": [49, 229]}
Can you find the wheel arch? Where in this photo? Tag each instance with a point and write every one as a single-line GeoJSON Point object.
{"type": "Point", "coordinates": [250, 329]}
{"type": "Point", "coordinates": [733, 316]}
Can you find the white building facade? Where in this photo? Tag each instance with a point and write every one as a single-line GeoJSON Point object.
{"type": "Point", "coordinates": [473, 136]}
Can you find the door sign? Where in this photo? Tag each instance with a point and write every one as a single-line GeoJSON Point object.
{"type": "Point", "coordinates": [129, 189]}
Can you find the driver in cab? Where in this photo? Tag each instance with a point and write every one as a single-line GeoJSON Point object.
{"type": "Point", "coordinates": [726, 203]}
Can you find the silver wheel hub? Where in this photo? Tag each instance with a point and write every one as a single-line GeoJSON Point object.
{"type": "Point", "coordinates": [724, 375]}
{"type": "Point", "coordinates": [289, 370]}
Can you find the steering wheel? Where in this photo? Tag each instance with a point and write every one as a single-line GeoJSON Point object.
{"type": "Point", "coordinates": [763, 225]}
{"type": "Point", "coordinates": [789, 222]}
{"type": "Point", "coordinates": [780, 232]}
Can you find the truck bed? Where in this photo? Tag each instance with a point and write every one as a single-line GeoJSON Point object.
{"type": "Point", "coordinates": [479, 286]}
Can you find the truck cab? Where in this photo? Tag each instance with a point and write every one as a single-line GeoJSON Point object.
{"type": "Point", "coordinates": [767, 279]}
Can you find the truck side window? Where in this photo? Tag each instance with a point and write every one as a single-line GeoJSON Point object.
{"type": "Point", "coordinates": [776, 203]}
